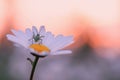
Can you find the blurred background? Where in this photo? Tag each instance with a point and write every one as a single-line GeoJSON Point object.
{"type": "Point", "coordinates": [95, 25]}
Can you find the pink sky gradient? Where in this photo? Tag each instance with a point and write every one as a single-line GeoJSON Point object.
{"type": "Point", "coordinates": [99, 19]}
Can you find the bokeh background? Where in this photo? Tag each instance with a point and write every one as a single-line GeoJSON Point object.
{"type": "Point", "coordinates": [95, 25]}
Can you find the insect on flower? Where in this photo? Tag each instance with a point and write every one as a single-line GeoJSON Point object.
{"type": "Point", "coordinates": [37, 38]}
{"type": "Point", "coordinates": [41, 42]}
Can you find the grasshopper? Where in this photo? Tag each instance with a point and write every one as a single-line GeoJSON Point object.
{"type": "Point", "coordinates": [37, 38]}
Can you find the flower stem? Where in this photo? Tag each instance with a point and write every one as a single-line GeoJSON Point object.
{"type": "Point", "coordinates": [33, 67]}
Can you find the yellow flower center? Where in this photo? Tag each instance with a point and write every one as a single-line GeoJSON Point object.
{"type": "Point", "coordinates": [39, 48]}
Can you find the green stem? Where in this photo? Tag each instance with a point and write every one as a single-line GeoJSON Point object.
{"type": "Point", "coordinates": [34, 66]}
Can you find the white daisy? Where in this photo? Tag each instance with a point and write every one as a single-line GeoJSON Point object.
{"type": "Point", "coordinates": [40, 42]}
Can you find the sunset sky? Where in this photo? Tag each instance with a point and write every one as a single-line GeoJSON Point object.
{"type": "Point", "coordinates": [98, 19]}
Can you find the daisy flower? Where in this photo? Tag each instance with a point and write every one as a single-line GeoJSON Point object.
{"type": "Point", "coordinates": [41, 42]}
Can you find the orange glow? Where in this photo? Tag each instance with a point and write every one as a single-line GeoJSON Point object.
{"type": "Point", "coordinates": [105, 37]}
{"type": "Point", "coordinates": [2, 16]}
{"type": "Point", "coordinates": [98, 19]}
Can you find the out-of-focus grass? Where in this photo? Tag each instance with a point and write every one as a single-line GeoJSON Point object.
{"type": "Point", "coordinates": [5, 53]}
{"type": "Point", "coordinates": [83, 64]}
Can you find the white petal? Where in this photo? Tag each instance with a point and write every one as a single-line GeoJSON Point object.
{"type": "Point", "coordinates": [32, 50]}
{"type": "Point", "coordinates": [34, 30]}
{"type": "Point", "coordinates": [56, 40]}
{"type": "Point", "coordinates": [17, 40]}
{"type": "Point", "coordinates": [17, 45]}
{"type": "Point", "coordinates": [48, 39]}
{"type": "Point", "coordinates": [29, 33]}
{"type": "Point", "coordinates": [12, 38]}
{"type": "Point", "coordinates": [65, 41]}
{"type": "Point", "coordinates": [19, 34]}
{"type": "Point", "coordinates": [43, 53]}
{"type": "Point", "coordinates": [62, 52]}
{"type": "Point", "coordinates": [42, 31]}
